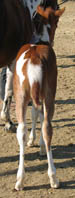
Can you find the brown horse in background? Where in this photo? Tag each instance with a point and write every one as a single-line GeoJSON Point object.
{"type": "Point", "coordinates": [16, 26]}
{"type": "Point", "coordinates": [15, 29]}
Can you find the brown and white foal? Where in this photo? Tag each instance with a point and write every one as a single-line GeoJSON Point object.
{"type": "Point", "coordinates": [35, 78]}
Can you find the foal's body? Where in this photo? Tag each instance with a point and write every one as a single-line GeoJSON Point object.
{"type": "Point", "coordinates": [35, 77]}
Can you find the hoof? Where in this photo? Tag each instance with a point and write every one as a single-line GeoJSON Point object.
{"type": "Point", "coordinates": [3, 116]}
{"type": "Point", "coordinates": [54, 182]}
{"type": "Point", "coordinates": [18, 188]}
{"type": "Point", "coordinates": [10, 127]}
{"type": "Point", "coordinates": [30, 143]}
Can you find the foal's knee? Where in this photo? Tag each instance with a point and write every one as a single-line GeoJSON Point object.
{"type": "Point", "coordinates": [21, 133]}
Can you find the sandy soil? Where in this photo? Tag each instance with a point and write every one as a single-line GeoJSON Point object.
{"type": "Point", "coordinates": [63, 143]}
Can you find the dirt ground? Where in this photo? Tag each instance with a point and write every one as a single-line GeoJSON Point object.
{"type": "Point", "coordinates": [36, 183]}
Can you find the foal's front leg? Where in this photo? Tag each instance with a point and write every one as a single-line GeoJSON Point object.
{"type": "Point", "coordinates": [32, 136]}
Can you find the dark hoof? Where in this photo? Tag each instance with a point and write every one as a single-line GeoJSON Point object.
{"type": "Point", "coordinates": [10, 127]}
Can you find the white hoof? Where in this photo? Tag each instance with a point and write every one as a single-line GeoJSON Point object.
{"type": "Point", "coordinates": [54, 182]}
{"type": "Point", "coordinates": [42, 150]}
{"type": "Point", "coordinates": [3, 115]}
{"type": "Point", "coordinates": [20, 179]}
{"type": "Point", "coordinates": [30, 143]}
{"type": "Point", "coordinates": [18, 186]}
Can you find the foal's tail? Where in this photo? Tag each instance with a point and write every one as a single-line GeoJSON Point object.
{"type": "Point", "coordinates": [35, 94]}
{"type": "Point", "coordinates": [35, 80]}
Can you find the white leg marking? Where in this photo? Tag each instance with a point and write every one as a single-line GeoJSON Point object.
{"type": "Point", "coordinates": [21, 136]}
{"type": "Point", "coordinates": [52, 171]}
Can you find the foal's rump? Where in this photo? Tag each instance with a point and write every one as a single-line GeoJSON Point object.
{"type": "Point", "coordinates": [35, 69]}
{"type": "Point", "coordinates": [15, 29]}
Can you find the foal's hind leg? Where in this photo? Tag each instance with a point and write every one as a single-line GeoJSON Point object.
{"type": "Point", "coordinates": [21, 137]}
{"type": "Point", "coordinates": [42, 144]}
{"type": "Point", "coordinates": [47, 135]}
{"type": "Point", "coordinates": [41, 115]}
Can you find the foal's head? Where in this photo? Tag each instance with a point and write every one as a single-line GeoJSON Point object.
{"type": "Point", "coordinates": [45, 21]}
{"type": "Point", "coordinates": [52, 19]}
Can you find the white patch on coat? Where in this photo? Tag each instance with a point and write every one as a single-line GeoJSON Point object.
{"type": "Point", "coordinates": [34, 73]}
{"type": "Point", "coordinates": [32, 45]}
{"type": "Point", "coordinates": [51, 167]}
{"type": "Point", "coordinates": [19, 67]}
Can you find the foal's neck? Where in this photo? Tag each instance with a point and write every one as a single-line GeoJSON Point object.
{"type": "Point", "coordinates": [42, 38]}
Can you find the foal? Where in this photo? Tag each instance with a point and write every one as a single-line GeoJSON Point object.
{"type": "Point", "coordinates": [35, 77]}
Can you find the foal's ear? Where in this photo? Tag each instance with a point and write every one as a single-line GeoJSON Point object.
{"type": "Point", "coordinates": [44, 13]}
{"type": "Point", "coordinates": [48, 11]}
{"type": "Point", "coordinates": [59, 12]}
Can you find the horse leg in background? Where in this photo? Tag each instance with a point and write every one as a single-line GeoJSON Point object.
{"type": "Point", "coordinates": [2, 83]}
{"type": "Point", "coordinates": [32, 135]}
{"type": "Point", "coordinates": [5, 113]}
{"type": "Point", "coordinates": [47, 136]}
{"type": "Point", "coordinates": [35, 114]}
